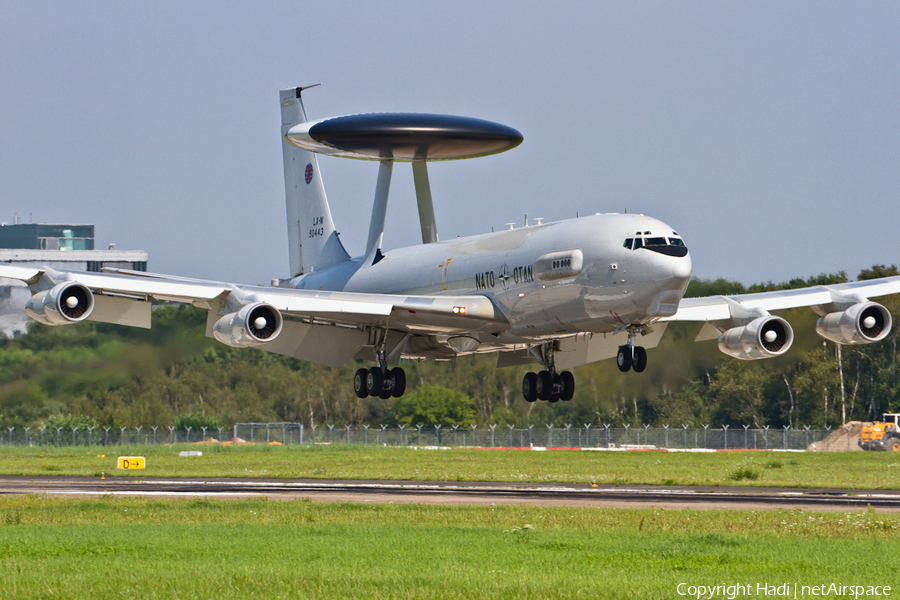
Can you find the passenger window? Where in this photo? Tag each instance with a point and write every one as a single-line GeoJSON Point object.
{"type": "Point", "coordinates": [627, 243]}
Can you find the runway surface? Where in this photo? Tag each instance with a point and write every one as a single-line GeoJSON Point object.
{"type": "Point", "coordinates": [434, 492]}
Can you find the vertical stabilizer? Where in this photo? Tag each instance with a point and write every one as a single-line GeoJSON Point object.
{"type": "Point", "coordinates": [312, 241]}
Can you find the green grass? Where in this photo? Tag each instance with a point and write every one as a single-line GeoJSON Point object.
{"type": "Point", "coordinates": [140, 548]}
{"type": "Point", "coordinates": [875, 470]}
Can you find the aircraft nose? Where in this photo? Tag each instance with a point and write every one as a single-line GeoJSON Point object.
{"type": "Point", "coordinates": [681, 268]}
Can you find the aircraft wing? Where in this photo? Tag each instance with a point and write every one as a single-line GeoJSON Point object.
{"type": "Point", "coordinates": [717, 308]}
{"type": "Point", "coordinates": [746, 329]}
{"type": "Point", "coordinates": [323, 327]}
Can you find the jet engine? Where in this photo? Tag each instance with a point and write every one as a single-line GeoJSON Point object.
{"type": "Point", "coordinates": [862, 323]}
{"type": "Point", "coordinates": [763, 337]}
{"type": "Point", "coordinates": [252, 325]}
{"type": "Point", "coordinates": [62, 304]}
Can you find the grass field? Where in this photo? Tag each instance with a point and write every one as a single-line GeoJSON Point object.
{"type": "Point", "coordinates": [138, 548]}
{"type": "Point", "coordinates": [875, 470]}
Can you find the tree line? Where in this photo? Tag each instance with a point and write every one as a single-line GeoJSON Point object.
{"type": "Point", "coordinates": [99, 374]}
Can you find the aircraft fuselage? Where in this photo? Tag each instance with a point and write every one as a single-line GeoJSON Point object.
{"type": "Point", "coordinates": [551, 280]}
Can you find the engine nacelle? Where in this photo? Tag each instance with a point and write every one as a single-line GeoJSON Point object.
{"type": "Point", "coordinates": [862, 323]}
{"type": "Point", "coordinates": [64, 303]}
{"type": "Point", "coordinates": [764, 337]}
{"type": "Point", "coordinates": [253, 325]}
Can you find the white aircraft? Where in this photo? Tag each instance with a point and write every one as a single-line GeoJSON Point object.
{"type": "Point", "coordinates": [559, 294]}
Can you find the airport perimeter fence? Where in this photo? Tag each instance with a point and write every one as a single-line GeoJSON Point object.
{"type": "Point", "coordinates": [684, 437]}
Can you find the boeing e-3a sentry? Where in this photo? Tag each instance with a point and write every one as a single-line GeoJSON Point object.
{"type": "Point", "coordinates": [557, 295]}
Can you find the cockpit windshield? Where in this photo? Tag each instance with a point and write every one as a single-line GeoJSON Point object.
{"type": "Point", "coordinates": [671, 246]}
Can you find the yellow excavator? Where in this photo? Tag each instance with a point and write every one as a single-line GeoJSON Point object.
{"type": "Point", "coordinates": [882, 435]}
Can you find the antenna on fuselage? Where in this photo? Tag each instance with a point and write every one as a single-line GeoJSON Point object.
{"type": "Point", "coordinates": [404, 137]}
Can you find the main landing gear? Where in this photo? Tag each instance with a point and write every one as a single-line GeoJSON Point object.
{"type": "Point", "coordinates": [630, 356]}
{"type": "Point", "coordinates": [548, 384]}
{"type": "Point", "coordinates": [379, 380]}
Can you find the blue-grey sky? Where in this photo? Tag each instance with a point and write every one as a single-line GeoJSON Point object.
{"type": "Point", "coordinates": [766, 133]}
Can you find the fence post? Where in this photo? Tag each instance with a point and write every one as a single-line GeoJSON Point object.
{"type": "Point", "coordinates": [568, 427]}
{"type": "Point", "coordinates": [511, 429]}
{"type": "Point", "coordinates": [474, 434]}
{"type": "Point", "coordinates": [172, 433]}
{"type": "Point", "coordinates": [105, 436]}
{"type": "Point", "coordinates": [531, 436]}
{"type": "Point", "coordinates": [10, 434]}
{"type": "Point", "coordinates": [58, 430]}
{"type": "Point", "coordinates": [402, 427]}
{"type": "Point", "coordinates": [348, 434]}
{"type": "Point", "coordinates": [807, 435]}
{"type": "Point", "coordinates": [725, 430]}
{"type": "Point", "coordinates": [587, 435]}
{"type": "Point", "coordinates": [685, 427]}
{"type": "Point", "coordinates": [705, 429]}
{"type": "Point", "coordinates": [203, 429]}
{"type": "Point", "coordinates": [746, 428]}
{"type": "Point", "coordinates": [234, 438]}
{"type": "Point", "coordinates": [42, 434]}
{"type": "Point", "coordinates": [301, 434]}
{"type": "Point", "coordinates": [74, 440]}
{"type": "Point", "coordinates": [627, 426]}
{"type": "Point", "coordinates": [366, 435]}
{"type": "Point", "coordinates": [26, 434]}
{"type": "Point", "coordinates": [492, 427]}
{"type": "Point", "coordinates": [766, 436]}
{"type": "Point", "coordinates": [646, 435]}
{"type": "Point", "coordinates": [786, 427]}
{"type": "Point", "coordinates": [437, 433]}
{"type": "Point", "coordinates": [330, 432]}
{"type": "Point", "coordinates": [122, 435]}
{"type": "Point", "coordinates": [139, 433]}
{"type": "Point", "coordinates": [827, 434]}
{"type": "Point", "coordinates": [549, 435]}
{"type": "Point", "coordinates": [666, 427]}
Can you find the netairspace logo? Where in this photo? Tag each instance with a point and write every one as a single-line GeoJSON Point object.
{"type": "Point", "coordinates": [780, 590]}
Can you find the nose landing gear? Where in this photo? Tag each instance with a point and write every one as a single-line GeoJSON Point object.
{"type": "Point", "coordinates": [630, 356]}
{"type": "Point", "coordinates": [548, 384]}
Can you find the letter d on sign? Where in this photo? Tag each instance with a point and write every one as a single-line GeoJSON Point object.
{"type": "Point", "coordinates": [132, 462]}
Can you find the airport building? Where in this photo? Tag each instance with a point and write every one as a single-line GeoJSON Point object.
{"type": "Point", "coordinates": [58, 246]}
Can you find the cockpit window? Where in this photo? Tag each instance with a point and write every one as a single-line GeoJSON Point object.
{"type": "Point", "coordinates": [676, 242]}
{"type": "Point", "coordinates": [656, 241]}
{"type": "Point", "coordinates": [627, 243]}
{"type": "Point", "coordinates": [638, 243]}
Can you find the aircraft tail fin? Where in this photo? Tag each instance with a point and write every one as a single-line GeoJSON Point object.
{"type": "Point", "coordinates": [312, 240]}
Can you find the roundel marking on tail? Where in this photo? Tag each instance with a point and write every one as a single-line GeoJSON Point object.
{"type": "Point", "coordinates": [309, 172]}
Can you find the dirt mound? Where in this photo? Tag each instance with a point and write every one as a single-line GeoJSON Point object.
{"type": "Point", "coordinates": [838, 440]}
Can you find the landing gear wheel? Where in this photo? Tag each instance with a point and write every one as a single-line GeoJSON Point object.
{"type": "Point", "coordinates": [567, 386]}
{"type": "Point", "coordinates": [623, 358]}
{"type": "Point", "coordinates": [399, 376]}
{"type": "Point", "coordinates": [544, 385]}
{"type": "Point", "coordinates": [640, 359]}
{"type": "Point", "coordinates": [359, 383]}
{"type": "Point", "coordinates": [375, 381]}
{"type": "Point", "coordinates": [385, 394]}
{"type": "Point", "coordinates": [894, 445]}
{"type": "Point", "coordinates": [554, 397]}
{"type": "Point", "coordinates": [529, 385]}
